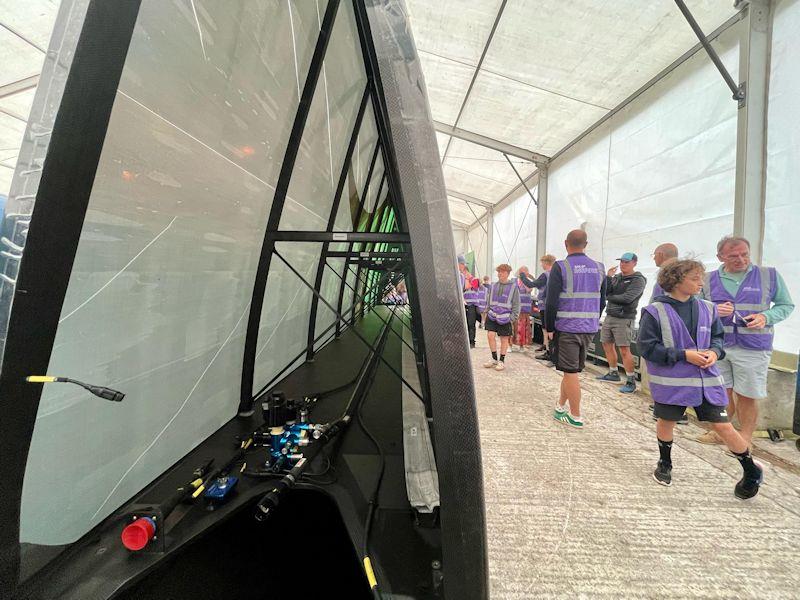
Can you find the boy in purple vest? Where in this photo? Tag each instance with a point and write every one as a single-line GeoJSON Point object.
{"type": "Point", "coordinates": [502, 308]}
{"type": "Point", "coordinates": [750, 300]}
{"type": "Point", "coordinates": [680, 338]}
{"type": "Point", "coordinates": [575, 298]}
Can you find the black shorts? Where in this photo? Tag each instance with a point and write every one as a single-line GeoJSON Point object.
{"type": "Point", "coordinates": [711, 413]}
{"type": "Point", "coordinates": [503, 330]}
{"type": "Point", "coordinates": [569, 350]}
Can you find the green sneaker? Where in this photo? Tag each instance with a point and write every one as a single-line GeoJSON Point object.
{"type": "Point", "coordinates": [559, 412]}
{"type": "Point", "coordinates": [567, 419]}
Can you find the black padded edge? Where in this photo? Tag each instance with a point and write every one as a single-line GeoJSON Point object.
{"type": "Point", "coordinates": [439, 306]}
{"type": "Point", "coordinates": [61, 201]}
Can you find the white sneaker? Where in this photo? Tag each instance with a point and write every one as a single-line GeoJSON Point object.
{"type": "Point", "coordinates": [500, 366]}
{"type": "Point", "coordinates": [490, 365]}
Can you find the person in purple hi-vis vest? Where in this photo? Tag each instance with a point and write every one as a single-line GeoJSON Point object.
{"type": "Point", "coordinates": [502, 308]}
{"type": "Point", "coordinates": [681, 339]}
{"type": "Point", "coordinates": [575, 297]}
{"type": "Point", "coordinates": [750, 300]}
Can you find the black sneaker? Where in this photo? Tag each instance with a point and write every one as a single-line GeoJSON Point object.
{"type": "Point", "coordinates": [542, 356]}
{"type": "Point", "coordinates": [472, 344]}
{"type": "Point", "coordinates": [748, 486]}
{"type": "Point", "coordinates": [663, 473]}
{"type": "Point", "coordinates": [684, 420]}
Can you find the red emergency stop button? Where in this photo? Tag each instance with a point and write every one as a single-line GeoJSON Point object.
{"type": "Point", "coordinates": [138, 534]}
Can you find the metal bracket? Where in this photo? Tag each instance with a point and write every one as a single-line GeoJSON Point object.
{"type": "Point", "coordinates": [741, 95]}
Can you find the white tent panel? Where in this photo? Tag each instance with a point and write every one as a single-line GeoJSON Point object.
{"type": "Point", "coordinates": [33, 19]}
{"type": "Point", "coordinates": [525, 116]}
{"type": "Point", "coordinates": [466, 182]}
{"type": "Point", "coordinates": [515, 234]}
{"type": "Point", "coordinates": [453, 29]}
{"type": "Point", "coordinates": [11, 132]}
{"type": "Point", "coordinates": [486, 162]}
{"type": "Point", "coordinates": [460, 211]}
{"type": "Point", "coordinates": [661, 170]}
{"type": "Point", "coordinates": [447, 82]}
{"type": "Point", "coordinates": [20, 60]}
{"type": "Point", "coordinates": [782, 215]}
{"type": "Point", "coordinates": [595, 52]}
{"type": "Point", "coordinates": [441, 141]}
{"type": "Point", "coordinates": [478, 243]}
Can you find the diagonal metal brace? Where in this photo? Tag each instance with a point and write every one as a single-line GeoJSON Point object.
{"type": "Point", "coordinates": [739, 93]}
{"type": "Point", "coordinates": [341, 318]}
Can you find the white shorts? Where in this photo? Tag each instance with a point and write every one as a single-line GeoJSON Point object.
{"type": "Point", "coordinates": [746, 371]}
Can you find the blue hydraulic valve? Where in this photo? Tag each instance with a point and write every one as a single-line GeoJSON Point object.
{"type": "Point", "coordinates": [220, 489]}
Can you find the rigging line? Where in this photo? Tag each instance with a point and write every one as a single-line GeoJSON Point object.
{"type": "Point", "coordinates": [120, 272]}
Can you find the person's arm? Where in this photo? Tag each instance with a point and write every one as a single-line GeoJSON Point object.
{"type": "Point", "coordinates": [515, 303]}
{"type": "Point", "coordinates": [650, 345]}
{"type": "Point", "coordinates": [717, 337]}
{"type": "Point", "coordinates": [526, 281]}
{"type": "Point", "coordinates": [630, 295]}
{"type": "Point", "coordinates": [603, 296]}
{"type": "Point", "coordinates": [782, 305]}
{"type": "Point", "coordinates": [554, 284]}
{"type": "Point", "coordinates": [540, 282]}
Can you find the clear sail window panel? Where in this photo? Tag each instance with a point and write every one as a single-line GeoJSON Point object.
{"type": "Point", "coordinates": [328, 129]}
{"type": "Point", "coordinates": [158, 301]}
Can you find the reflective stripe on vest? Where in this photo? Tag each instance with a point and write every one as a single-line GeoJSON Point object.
{"type": "Point", "coordinates": [683, 383]}
{"type": "Point", "coordinates": [753, 338]}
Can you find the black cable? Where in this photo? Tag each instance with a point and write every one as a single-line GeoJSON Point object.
{"type": "Point", "coordinates": [373, 500]}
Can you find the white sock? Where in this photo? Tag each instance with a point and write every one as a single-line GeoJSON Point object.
{"type": "Point", "coordinates": [575, 418]}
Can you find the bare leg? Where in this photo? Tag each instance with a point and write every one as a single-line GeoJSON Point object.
{"type": "Point", "coordinates": [492, 336]}
{"type": "Point", "coordinates": [665, 430]}
{"type": "Point", "coordinates": [731, 404]}
{"type": "Point", "coordinates": [627, 359]}
{"type": "Point", "coordinates": [748, 413]}
{"type": "Point", "coordinates": [730, 436]}
{"type": "Point", "coordinates": [571, 389]}
{"type": "Point", "coordinates": [504, 340]}
{"type": "Point", "coordinates": [611, 355]}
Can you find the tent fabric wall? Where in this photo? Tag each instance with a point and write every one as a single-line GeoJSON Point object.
{"type": "Point", "coordinates": [782, 207]}
{"type": "Point", "coordinates": [515, 233]}
{"type": "Point", "coordinates": [478, 242]}
{"type": "Point", "coordinates": [661, 170]}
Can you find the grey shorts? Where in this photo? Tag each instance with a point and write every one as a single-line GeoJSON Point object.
{"type": "Point", "coordinates": [745, 371]}
{"type": "Point", "coordinates": [617, 331]}
{"type": "Point", "coordinates": [569, 350]}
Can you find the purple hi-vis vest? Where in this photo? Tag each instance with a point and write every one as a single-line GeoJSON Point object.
{"type": "Point", "coordinates": [579, 303]}
{"type": "Point", "coordinates": [683, 383]}
{"type": "Point", "coordinates": [500, 302]}
{"type": "Point", "coordinates": [755, 295]}
{"type": "Point", "coordinates": [657, 291]}
{"type": "Point", "coordinates": [474, 297]}
{"type": "Point", "coordinates": [483, 292]}
{"type": "Point", "coordinates": [525, 300]}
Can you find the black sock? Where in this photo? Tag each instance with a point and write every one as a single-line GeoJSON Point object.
{"type": "Point", "coordinates": [665, 450]}
{"type": "Point", "coordinates": [502, 358]}
{"type": "Point", "coordinates": [751, 470]}
{"type": "Point", "coordinates": [494, 355]}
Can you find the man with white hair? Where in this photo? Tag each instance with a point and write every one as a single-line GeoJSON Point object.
{"type": "Point", "coordinates": [750, 300]}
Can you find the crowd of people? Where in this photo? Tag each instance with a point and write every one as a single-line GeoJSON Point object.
{"type": "Point", "coordinates": [705, 337]}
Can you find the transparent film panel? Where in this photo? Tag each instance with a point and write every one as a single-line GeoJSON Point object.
{"type": "Point", "coordinates": [331, 282]}
{"type": "Point", "coordinates": [376, 185]}
{"type": "Point", "coordinates": [282, 334]}
{"type": "Point", "coordinates": [328, 129]}
{"type": "Point", "coordinates": [357, 172]}
{"type": "Point", "coordinates": [159, 296]}
{"type": "Point", "coordinates": [349, 289]}
{"type": "Point", "coordinates": [25, 140]}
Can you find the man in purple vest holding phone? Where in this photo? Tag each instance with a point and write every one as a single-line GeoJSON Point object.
{"type": "Point", "coordinates": [750, 301]}
{"type": "Point", "coordinates": [575, 298]}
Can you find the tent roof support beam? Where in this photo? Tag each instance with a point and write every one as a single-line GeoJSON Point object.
{"type": "Point", "coordinates": [491, 143]}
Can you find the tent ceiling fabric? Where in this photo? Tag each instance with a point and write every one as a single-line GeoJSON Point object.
{"type": "Point", "coordinates": [550, 70]}
{"type": "Point", "coordinates": [25, 28]}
